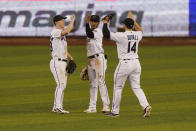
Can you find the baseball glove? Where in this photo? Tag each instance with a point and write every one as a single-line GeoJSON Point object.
{"type": "Point", "coordinates": [110, 16]}
{"type": "Point", "coordinates": [71, 67]}
{"type": "Point", "coordinates": [84, 73]}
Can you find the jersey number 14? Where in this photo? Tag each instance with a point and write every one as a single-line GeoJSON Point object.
{"type": "Point", "coordinates": [133, 48]}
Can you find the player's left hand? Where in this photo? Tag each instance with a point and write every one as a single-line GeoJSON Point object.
{"type": "Point", "coordinates": [84, 73]}
{"type": "Point", "coordinates": [72, 17]}
{"type": "Point", "coordinates": [71, 67]}
{"type": "Point", "coordinates": [106, 19]}
{"type": "Point", "coordinates": [88, 18]}
{"type": "Point", "coordinates": [131, 15]}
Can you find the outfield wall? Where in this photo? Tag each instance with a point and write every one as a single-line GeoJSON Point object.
{"type": "Point", "coordinates": [33, 18]}
{"type": "Point", "coordinates": [146, 41]}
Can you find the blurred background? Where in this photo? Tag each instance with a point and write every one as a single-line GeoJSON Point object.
{"type": "Point", "coordinates": [167, 55]}
{"type": "Point", "coordinates": [33, 18]}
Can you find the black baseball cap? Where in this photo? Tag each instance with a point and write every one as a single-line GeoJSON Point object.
{"type": "Point", "coordinates": [95, 18]}
{"type": "Point", "coordinates": [128, 22]}
{"type": "Point", "coordinates": [58, 18]}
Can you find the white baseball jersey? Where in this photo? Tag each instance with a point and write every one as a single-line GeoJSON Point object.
{"type": "Point", "coordinates": [94, 45]}
{"type": "Point", "coordinates": [127, 43]}
{"type": "Point", "coordinates": [128, 67]}
{"type": "Point", "coordinates": [58, 44]}
{"type": "Point", "coordinates": [96, 69]}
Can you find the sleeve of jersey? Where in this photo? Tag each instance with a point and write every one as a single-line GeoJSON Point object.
{"type": "Point", "coordinates": [106, 32]}
{"type": "Point", "coordinates": [114, 36]}
{"type": "Point", "coordinates": [56, 34]}
{"type": "Point", "coordinates": [89, 32]}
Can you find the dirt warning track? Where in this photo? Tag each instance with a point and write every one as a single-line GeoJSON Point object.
{"type": "Point", "coordinates": [82, 41]}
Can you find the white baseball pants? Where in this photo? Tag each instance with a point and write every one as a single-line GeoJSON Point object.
{"type": "Point", "coordinates": [96, 71]}
{"type": "Point", "coordinates": [130, 69]}
{"type": "Point", "coordinates": [58, 69]}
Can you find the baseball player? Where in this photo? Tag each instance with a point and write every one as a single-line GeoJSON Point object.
{"type": "Point", "coordinates": [129, 66]}
{"type": "Point", "coordinates": [58, 62]}
{"type": "Point", "coordinates": [97, 64]}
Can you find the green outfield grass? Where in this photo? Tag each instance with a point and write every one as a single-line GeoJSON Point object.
{"type": "Point", "coordinates": [27, 91]}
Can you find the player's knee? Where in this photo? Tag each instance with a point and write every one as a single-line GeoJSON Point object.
{"type": "Point", "coordinates": [100, 76]}
{"type": "Point", "coordinates": [136, 89]}
{"type": "Point", "coordinates": [135, 86]}
{"type": "Point", "coordinates": [93, 84]}
{"type": "Point", "coordinates": [92, 87]}
{"type": "Point", "coordinates": [118, 86]}
{"type": "Point", "coordinates": [62, 85]}
{"type": "Point", "coordinates": [101, 82]}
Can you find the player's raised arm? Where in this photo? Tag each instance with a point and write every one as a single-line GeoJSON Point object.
{"type": "Point", "coordinates": [69, 27]}
{"type": "Point", "coordinates": [106, 32]}
{"type": "Point", "coordinates": [89, 32]}
{"type": "Point", "coordinates": [137, 26]}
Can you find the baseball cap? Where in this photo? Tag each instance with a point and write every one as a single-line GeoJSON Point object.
{"type": "Point", "coordinates": [58, 18]}
{"type": "Point", "coordinates": [95, 18]}
{"type": "Point", "coordinates": [128, 22]}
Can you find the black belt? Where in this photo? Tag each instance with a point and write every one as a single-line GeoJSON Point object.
{"type": "Point", "coordinates": [93, 56]}
{"type": "Point", "coordinates": [126, 59]}
{"type": "Point", "coordinates": [96, 55]}
{"type": "Point", "coordinates": [130, 59]}
{"type": "Point", "coordinates": [64, 60]}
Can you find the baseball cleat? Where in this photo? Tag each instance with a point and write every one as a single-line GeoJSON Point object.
{"type": "Point", "coordinates": [60, 111]}
{"type": "Point", "coordinates": [112, 114]}
{"type": "Point", "coordinates": [147, 111]}
{"type": "Point", "coordinates": [89, 110]}
{"type": "Point", "coordinates": [106, 109]}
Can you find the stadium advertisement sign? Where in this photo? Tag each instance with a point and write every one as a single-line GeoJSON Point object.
{"type": "Point", "coordinates": [34, 17]}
